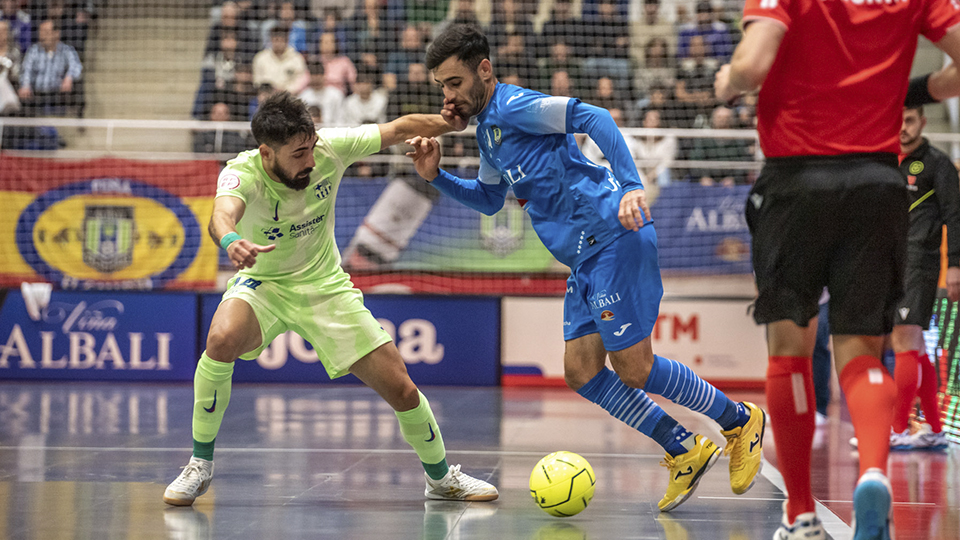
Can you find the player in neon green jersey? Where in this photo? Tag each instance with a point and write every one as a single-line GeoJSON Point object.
{"type": "Point", "coordinates": [274, 215]}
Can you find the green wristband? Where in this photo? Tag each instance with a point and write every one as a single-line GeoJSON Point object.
{"type": "Point", "coordinates": [228, 239]}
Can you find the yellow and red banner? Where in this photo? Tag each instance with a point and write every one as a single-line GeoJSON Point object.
{"type": "Point", "coordinates": [107, 223]}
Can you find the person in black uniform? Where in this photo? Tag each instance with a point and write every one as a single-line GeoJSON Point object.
{"type": "Point", "coordinates": [934, 193]}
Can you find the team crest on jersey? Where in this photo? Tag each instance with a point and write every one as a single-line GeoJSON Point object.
{"type": "Point", "coordinates": [916, 167]}
{"type": "Point", "coordinates": [322, 189]}
{"type": "Point", "coordinates": [607, 315]}
{"type": "Point", "coordinates": [229, 181]}
{"type": "Point", "coordinates": [497, 135]}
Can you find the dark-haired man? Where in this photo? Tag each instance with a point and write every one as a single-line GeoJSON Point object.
{"type": "Point", "coordinates": [934, 195]}
{"type": "Point", "coordinates": [830, 210]}
{"type": "Point", "coordinates": [273, 214]}
{"type": "Point", "coordinates": [596, 222]}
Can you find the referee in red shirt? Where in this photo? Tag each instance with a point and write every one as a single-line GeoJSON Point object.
{"type": "Point", "coordinates": [830, 209]}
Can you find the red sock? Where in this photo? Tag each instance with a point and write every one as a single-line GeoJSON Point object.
{"type": "Point", "coordinates": [791, 403]}
{"type": "Point", "coordinates": [907, 376]}
{"type": "Point", "coordinates": [928, 393]}
{"type": "Point", "coordinates": [871, 395]}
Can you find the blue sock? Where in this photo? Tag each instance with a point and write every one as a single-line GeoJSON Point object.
{"type": "Point", "coordinates": [681, 385]}
{"type": "Point", "coordinates": [634, 408]}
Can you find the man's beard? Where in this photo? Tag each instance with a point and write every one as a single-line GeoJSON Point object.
{"type": "Point", "coordinates": [298, 182]}
{"type": "Point", "coordinates": [910, 142]}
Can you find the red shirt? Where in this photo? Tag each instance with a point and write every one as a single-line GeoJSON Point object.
{"type": "Point", "coordinates": [840, 76]}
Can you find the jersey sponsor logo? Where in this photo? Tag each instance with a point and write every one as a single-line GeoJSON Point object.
{"type": "Point", "coordinates": [607, 315]}
{"type": "Point", "coordinates": [432, 434]}
{"type": "Point", "coordinates": [306, 228]}
{"type": "Point", "coordinates": [623, 328]}
{"type": "Point", "coordinates": [916, 167]}
{"type": "Point", "coordinates": [323, 189]}
{"type": "Point", "coordinates": [511, 98]}
{"type": "Point", "coordinates": [602, 299]}
{"type": "Point", "coordinates": [276, 212]}
{"type": "Point", "coordinates": [228, 181]}
{"type": "Point", "coordinates": [904, 311]}
{"type": "Point", "coordinates": [272, 233]}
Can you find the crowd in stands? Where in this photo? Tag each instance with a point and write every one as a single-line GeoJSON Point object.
{"type": "Point", "coordinates": [42, 46]}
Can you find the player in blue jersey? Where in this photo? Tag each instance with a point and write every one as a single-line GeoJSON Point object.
{"type": "Point", "coordinates": [596, 222]}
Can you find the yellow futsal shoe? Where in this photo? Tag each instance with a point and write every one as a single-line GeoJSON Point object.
{"type": "Point", "coordinates": [744, 446]}
{"type": "Point", "coordinates": [686, 471]}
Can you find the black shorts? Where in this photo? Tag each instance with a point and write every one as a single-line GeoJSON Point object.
{"type": "Point", "coordinates": [838, 222]}
{"type": "Point", "coordinates": [919, 293]}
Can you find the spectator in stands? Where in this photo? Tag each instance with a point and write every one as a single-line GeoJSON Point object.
{"type": "Point", "coordinates": [321, 8]}
{"type": "Point", "coordinates": [560, 59]}
{"type": "Point", "coordinates": [316, 115]}
{"type": "Point", "coordinates": [465, 12]}
{"type": "Point", "coordinates": [561, 84]}
{"type": "Point", "coordinates": [694, 86]}
{"type": "Point", "coordinates": [719, 149]}
{"type": "Point", "coordinates": [9, 70]}
{"type": "Point", "coordinates": [371, 32]}
{"type": "Point", "coordinates": [564, 27]}
{"type": "Point", "coordinates": [649, 23]}
{"type": "Point", "coordinates": [73, 15]}
{"type": "Point", "coordinates": [605, 96]}
{"type": "Point", "coordinates": [411, 51]}
{"type": "Point", "coordinates": [329, 99]}
{"type": "Point", "coordinates": [280, 65]}
{"type": "Point", "coordinates": [513, 58]}
{"type": "Point", "coordinates": [608, 48]}
{"type": "Point", "coordinates": [286, 18]}
{"type": "Point", "coordinates": [368, 104]}
{"type": "Point", "coordinates": [217, 73]}
{"type": "Point", "coordinates": [658, 67]}
{"type": "Point", "coordinates": [338, 69]}
{"type": "Point", "coordinates": [230, 142]}
{"type": "Point", "coordinates": [591, 8]}
{"type": "Point", "coordinates": [50, 69]}
{"type": "Point", "coordinates": [20, 30]}
{"type": "Point", "coordinates": [414, 96]}
{"type": "Point", "coordinates": [661, 98]}
{"type": "Point", "coordinates": [655, 152]}
{"type": "Point", "coordinates": [264, 91]}
{"type": "Point", "coordinates": [716, 36]}
{"type": "Point", "coordinates": [230, 21]}
{"type": "Point", "coordinates": [510, 18]}
{"type": "Point", "coordinates": [426, 13]}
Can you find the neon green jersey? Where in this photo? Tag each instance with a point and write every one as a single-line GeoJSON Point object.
{"type": "Point", "coordinates": [300, 223]}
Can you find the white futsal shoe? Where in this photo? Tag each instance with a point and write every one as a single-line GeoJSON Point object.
{"type": "Point", "coordinates": [806, 527]}
{"type": "Point", "coordinates": [192, 483]}
{"type": "Point", "coordinates": [457, 486]}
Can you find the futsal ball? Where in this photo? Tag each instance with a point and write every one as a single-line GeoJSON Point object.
{"type": "Point", "coordinates": [562, 484]}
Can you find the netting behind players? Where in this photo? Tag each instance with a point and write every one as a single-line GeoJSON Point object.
{"type": "Point", "coordinates": [154, 81]}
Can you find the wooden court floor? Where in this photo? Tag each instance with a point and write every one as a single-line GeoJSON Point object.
{"type": "Point", "coordinates": [91, 460]}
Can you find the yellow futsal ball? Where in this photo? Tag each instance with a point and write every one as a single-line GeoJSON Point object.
{"type": "Point", "coordinates": [562, 484]}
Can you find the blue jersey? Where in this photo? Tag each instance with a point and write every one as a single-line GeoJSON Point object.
{"type": "Point", "coordinates": [527, 145]}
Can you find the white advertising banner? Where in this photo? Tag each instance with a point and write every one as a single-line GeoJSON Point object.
{"type": "Point", "coordinates": [715, 337]}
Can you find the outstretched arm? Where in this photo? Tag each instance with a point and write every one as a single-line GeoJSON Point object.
{"type": "Point", "coordinates": [412, 125]}
{"type": "Point", "coordinates": [482, 197]}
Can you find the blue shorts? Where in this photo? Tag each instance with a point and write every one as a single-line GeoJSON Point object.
{"type": "Point", "coordinates": [616, 292]}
